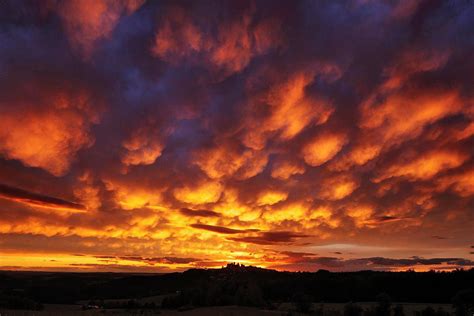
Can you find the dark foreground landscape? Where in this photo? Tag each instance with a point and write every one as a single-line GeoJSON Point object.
{"type": "Point", "coordinates": [238, 290]}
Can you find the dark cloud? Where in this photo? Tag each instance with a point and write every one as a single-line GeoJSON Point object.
{"type": "Point", "coordinates": [268, 238]}
{"type": "Point", "coordinates": [386, 218]}
{"type": "Point", "coordinates": [295, 254]}
{"type": "Point", "coordinates": [28, 197]}
{"type": "Point", "coordinates": [439, 237]}
{"type": "Point", "coordinates": [413, 261]}
{"type": "Point", "coordinates": [198, 213]}
{"type": "Point", "coordinates": [222, 230]}
{"type": "Point", "coordinates": [152, 260]}
{"type": "Point", "coordinates": [373, 263]}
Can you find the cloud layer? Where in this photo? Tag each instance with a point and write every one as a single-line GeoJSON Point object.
{"type": "Point", "coordinates": [157, 136]}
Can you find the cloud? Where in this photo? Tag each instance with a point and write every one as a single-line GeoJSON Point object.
{"type": "Point", "coordinates": [249, 131]}
{"type": "Point", "coordinates": [371, 263]}
{"type": "Point", "coordinates": [35, 199]}
{"type": "Point", "coordinates": [46, 128]}
{"type": "Point", "coordinates": [152, 260]}
{"type": "Point", "coordinates": [393, 120]}
{"type": "Point", "coordinates": [220, 229]}
{"type": "Point", "coordinates": [416, 261]}
{"type": "Point", "coordinates": [207, 192]}
{"type": "Point", "coordinates": [323, 148]}
{"type": "Point", "coordinates": [226, 160]}
{"type": "Point", "coordinates": [88, 23]}
{"type": "Point", "coordinates": [198, 213]}
{"type": "Point", "coordinates": [183, 36]}
{"type": "Point", "coordinates": [271, 197]}
{"type": "Point", "coordinates": [130, 197]}
{"type": "Point", "coordinates": [361, 214]}
{"type": "Point", "coordinates": [424, 166]}
{"type": "Point", "coordinates": [142, 148]}
{"type": "Point", "coordinates": [337, 187]}
{"type": "Point", "coordinates": [461, 183]}
{"type": "Point", "coordinates": [268, 238]}
{"type": "Point", "coordinates": [285, 169]}
{"type": "Point", "coordinates": [440, 237]}
{"type": "Point", "coordinates": [290, 109]}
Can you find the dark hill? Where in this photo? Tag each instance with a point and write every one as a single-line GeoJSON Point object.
{"type": "Point", "coordinates": [222, 286]}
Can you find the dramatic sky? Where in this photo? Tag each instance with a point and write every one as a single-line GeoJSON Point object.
{"type": "Point", "coordinates": [295, 135]}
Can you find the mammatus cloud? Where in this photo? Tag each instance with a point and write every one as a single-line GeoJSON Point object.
{"type": "Point", "coordinates": [159, 136]}
{"type": "Point", "coordinates": [208, 192]}
{"type": "Point", "coordinates": [142, 148]}
{"type": "Point", "coordinates": [285, 169]}
{"type": "Point", "coordinates": [227, 45]}
{"type": "Point", "coordinates": [226, 160]}
{"type": "Point", "coordinates": [45, 127]}
{"type": "Point", "coordinates": [323, 148]}
{"type": "Point", "coordinates": [88, 23]}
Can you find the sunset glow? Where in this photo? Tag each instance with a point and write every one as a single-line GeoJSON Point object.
{"type": "Point", "coordinates": [156, 136]}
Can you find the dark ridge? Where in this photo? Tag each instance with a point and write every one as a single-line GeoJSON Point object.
{"type": "Point", "coordinates": [223, 284]}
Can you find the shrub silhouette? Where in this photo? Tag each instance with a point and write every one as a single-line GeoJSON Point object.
{"type": "Point", "coordinates": [428, 311]}
{"type": "Point", "coordinates": [302, 302]}
{"type": "Point", "coordinates": [351, 309]}
{"type": "Point", "coordinates": [463, 303]}
{"type": "Point", "coordinates": [383, 305]}
{"type": "Point", "coordinates": [398, 311]}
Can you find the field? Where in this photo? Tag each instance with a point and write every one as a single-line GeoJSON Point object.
{"type": "Point", "coordinates": [329, 309]}
{"type": "Point", "coordinates": [237, 290]}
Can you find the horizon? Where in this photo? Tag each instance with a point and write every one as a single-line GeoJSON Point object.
{"type": "Point", "coordinates": [159, 136]}
{"type": "Point", "coordinates": [230, 264]}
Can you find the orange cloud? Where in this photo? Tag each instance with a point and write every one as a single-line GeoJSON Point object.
{"type": "Point", "coordinates": [130, 197]}
{"type": "Point", "coordinates": [411, 62]}
{"type": "Point", "coordinates": [49, 136]}
{"type": "Point", "coordinates": [402, 115]}
{"type": "Point", "coordinates": [230, 205]}
{"type": "Point", "coordinates": [337, 187]}
{"type": "Point", "coordinates": [291, 110]}
{"type": "Point", "coordinates": [181, 36]}
{"type": "Point", "coordinates": [394, 113]}
{"type": "Point", "coordinates": [206, 192]}
{"type": "Point", "coordinates": [88, 22]}
{"type": "Point", "coordinates": [361, 214]}
{"type": "Point", "coordinates": [359, 155]}
{"type": "Point", "coordinates": [323, 148]}
{"type": "Point", "coordinates": [143, 147]}
{"type": "Point", "coordinates": [271, 197]}
{"type": "Point", "coordinates": [87, 192]}
{"type": "Point", "coordinates": [285, 169]}
{"type": "Point", "coordinates": [424, 166]}
{"type": "Point", "coordinates": [222, 161]}
{"type": "Point", "coordinates": [290, 212]}
{"type": "Point", "coordinates": [462, 183]}
{"type": "Point", "coordinates": [364, 153]}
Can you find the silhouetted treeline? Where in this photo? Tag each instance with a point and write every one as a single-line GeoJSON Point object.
{"type": "Point", "coordinates": [247, 286]}
{"type": "Point", "coordinates": [19, 302]}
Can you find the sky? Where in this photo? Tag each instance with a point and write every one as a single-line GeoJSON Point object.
{"type": "Point", "coordinates": [158, 136]}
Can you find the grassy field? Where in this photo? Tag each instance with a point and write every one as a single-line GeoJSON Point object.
{"type": "Point", "coordinates": [329, 309]}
